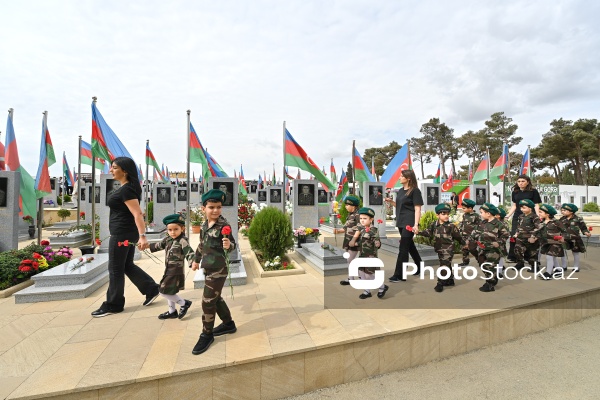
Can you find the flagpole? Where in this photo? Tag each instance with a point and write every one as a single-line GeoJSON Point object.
{"type": "Point", "coordinates": [487, 149]}
{"type": "Point", "coordinates": [40, 216]}
{"type": "Point", "coordinates": [507, 177]}
{"type": "Point", "coordinates": [146, 187]}
{"type": "Point", "coordinates": [529, 168]}
{"type": "Point", "coordinates": [284, 194]}
{"type": "Point", "coordinates": [78, 185]}
{"type": "Point", "coordinates": [353, 171]}
{"type": "Point", "coordinates": [92, 193]}
{"type": "Point", "coordinates": [187, 201]}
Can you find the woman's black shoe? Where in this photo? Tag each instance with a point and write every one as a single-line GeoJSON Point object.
{"type": "Point", "coordinates": [203, 343]}
{"type": "Point", "coordinates": [151, 297]}
{"type": "Point", "coordinates": [168, 315]}
{"type": "Point", "coordinates": [103, 311]}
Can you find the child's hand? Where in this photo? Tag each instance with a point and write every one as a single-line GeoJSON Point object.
{"type": "Point", "coordinates": [588, 234]}
{"type": "Point", "coordinates": [531, 240]}
{"type": "Point", "coordinates": [195, 266]}
{"type": "Point", "coordinates": [352, 243]}
{"type": "Point", "coordinates": [226, 243]}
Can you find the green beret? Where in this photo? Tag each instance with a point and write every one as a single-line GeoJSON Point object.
{"type": "Point", "coordinates": [352, 200]}
{"type": "Point", "coordinates": [213, 194]}
{"type": "Point", "coordinates": [174, 219]}
{"type": "Point", "coordinates": [468, 203]}
{"type": "Point", "coordinates": [547, 208]}
{"type": "Point", "coordinates": [442, 208]}
{"type": "Point", "coordinates": [489, 207]}
{"type": "Point", "coordinates": [501, 212]}
{"type": "Point", "coordinates": [570, 207]}
{"type": "Point", "coordinates": [367, 211]}
{"type": "Point", "coordinates": [527, 203]}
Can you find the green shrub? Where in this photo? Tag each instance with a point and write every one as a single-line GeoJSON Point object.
{"type": "Point", "coordinates": [150, 212]}
{"type": "Point", "coordinates": [67, 198]}
{"type": "Point", "coordinates": [344, 213]}
{"type": "Point", "coordinates": [591, 207]}
{"type": "Point", "coordinates": [59, 200]}
{"type": "Point", "coordinates": [9, 265]}
{"type": "Point", "coordinates": [270, 233]}
{"type": "Point", "coordinates": [63, 213]}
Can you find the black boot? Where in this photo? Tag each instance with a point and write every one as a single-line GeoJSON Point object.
{"type": "Point", "coordinates": [203, 343]}
{"type": "Point", "coordinates": [225, 328]}
{"type": "Point", "coordinates": [439, 287]}
{"type": "Point", "coordinates": [449, 282]}
{"type": "Point", "coordinates": [487, 288]}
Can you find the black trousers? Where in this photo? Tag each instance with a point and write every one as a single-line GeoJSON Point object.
{"type": "Point", "coordinates": [513, 230]}
{"type": "Point", "coordinates": [120, 264]}
{"type": "Point", "coordinates": [407, 246]}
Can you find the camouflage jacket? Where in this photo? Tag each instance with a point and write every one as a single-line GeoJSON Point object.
{"type": "Point", "coordinates": [210, 249]}
{"type": "Point", "coordinates": [529, 226]}
{"type": "Point", "coordinates": [469, 223]}
{"type": "Point", "coordinates": [573, 226]}
{"type": "Point", "coordinates": [176, 251]}
{"type": "Point", "coordinates": [350, 228]}
{"type": "Point", "coordinates": [368, 241]}
{"type": "Point", "coordinates": [444, 234]}
{"type": "Point", "coordinates": [492, 235]}
{"type": "Point", "coordinates": [552, 227]}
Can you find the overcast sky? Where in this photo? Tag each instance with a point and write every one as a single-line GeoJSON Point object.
{"type": "Point", "coordinates": [373, 71]}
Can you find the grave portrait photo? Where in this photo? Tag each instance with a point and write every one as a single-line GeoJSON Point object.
{"type": "Point", "coordinates": [306, 196]}
{"type": "Point", "coordinates": [227, 188]}
{"type": "Point", "coordinates": [181, 195]}
{"type": "Point", "coordinates": [376, 196]}
{"type": "Point", "coordinates": [194, 186]}
{"type": "Point", "coordinates": [111, 186]}
{"type": "Point", "coordinates": [433, 196]}
{"type": "Point", "coordinates": [3, 191]}
{"type": "Point", "coordinates": [52, 184]}
{"type": "Point", "coordinates": [275, 196]}
{"type": "Point", "coordinates": [480, 196]}
{"type": "Point", "coordinates": [96, 196]}
{"type": "Point", "coordinates": [262, 195]}
{"type": "Point", "coordinates": [322, 196]}
{"type": "Point", "coordinates": [164, 195]}
{"type": "Point", "coordinates": [252, 188]}
{"type": "Point", "coordinates": [82, 194]}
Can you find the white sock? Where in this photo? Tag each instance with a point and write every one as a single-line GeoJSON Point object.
{"type": "Point", "coordinates": [367, 292]}
{"type": "Point", "coordinates": [576, 261]}
{"type": "Point", "coordinates": [564, 261]}
{"type": "Point", "coordinates": [173, 298]}
{"type": "Point", "coordinates": [556, 261]}
{"type": "Point", "coordinates": [549, 264]}
{"type": "Point", "coordinates": [501, 264]}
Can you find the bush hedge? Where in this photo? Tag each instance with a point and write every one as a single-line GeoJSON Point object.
{"type": "Point", "coordinates": [271, 233]}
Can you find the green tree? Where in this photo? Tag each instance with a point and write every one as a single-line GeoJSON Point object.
{"type": "Point", "coordinates": [420, 152]}
{"type": "Point", "coordinates": [382, 156]}
{"type": "Point", "coordinates": [439, 137]}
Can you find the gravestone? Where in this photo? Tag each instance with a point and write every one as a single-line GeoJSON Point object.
{"type": "Point", "coordinates": [275, 196]}
{"type": "Point", "coordinates": [374, 198]}
{"type": "Point", "coordinates": [478, 193]}
{"type": "Point", "coordinates": [432, 196]}
{"type": "Point", "coordinates": [323, 197]}
{"type": "Point", "coordinates": [181, 200]}
{"type": "Point", "coordinates": [195, 197]}
{"type": "Point", "coordinates": [305, 206]}
{"type": "Point", "coordinates": [261, 196]}
{"type": "Point", "coordinates": [164, 203]}
{"type": "Point", "coordinates": [107, 186]}
{"type": "Point", "coordinates": [54, 187]}
{"type": "Point", "coordinates": [10, 183]}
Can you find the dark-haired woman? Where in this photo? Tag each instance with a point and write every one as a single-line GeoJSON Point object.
{"type": "Point", "coordinates": [409, 201]}
{"type": "Point", "coordinates": [523, 190]}
{"type": "Point", "coordinates": [126, 222]}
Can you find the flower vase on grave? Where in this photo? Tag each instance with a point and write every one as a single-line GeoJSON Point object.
{"type": "Point", "coordinates": [87, 249]}
{"type": "Point", "coordinates": [31, 231]}
{"type": "Point", "coordinates": [301, 239]}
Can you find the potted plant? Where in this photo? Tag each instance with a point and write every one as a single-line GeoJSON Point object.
{"type": "Point", "coordinates": [196, 219]}
{"type": "Point", "coordinates": [31, 230]}
{"type": "Point", "coordinates": [63, 214]}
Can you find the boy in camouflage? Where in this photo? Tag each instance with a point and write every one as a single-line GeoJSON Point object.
{"type": "Point", "coordinates": [490, 237]}
{"type": "Point", "coordinates": [367, 240]}
{"type": "Point", "coordinates": [215, 240]}
{"type": "Point", "coordinates": [527, 234]}
{"type": "Point", "coordinates": [500, 217]}
{"type": "Point", "coordinates": [445, 233]}
{"type": "Point", "coordinates": [177, 249]}
{"type": "Point", "coordinates": [350, 228]}
{"type": "Point", "coordinates": [574, 226]}
{"type": "Point", "coordinates": [470, 220]}
{"type": "Point", "coordinates": [552, 238]}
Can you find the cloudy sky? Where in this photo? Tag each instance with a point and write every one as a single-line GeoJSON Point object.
{"type": "Point", "coordinates": [373, 71]}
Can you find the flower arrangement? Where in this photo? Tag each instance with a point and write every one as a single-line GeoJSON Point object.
{"type": "Point", "coordinates": [82, 215]}
{"type": "Point", "coordinates": [65, 252]}
{"type": "Point", "coordinates": [277, 264]}
{"type": "Point", "coordinates": [41, 260]}
{"type": "Point", "coordinates": [196, 216]}
{"type": "Point", "coordinates": [28, 219]}
{"type": "Point", "coordinates": [81, 261]}
{"type": "Point", "coordinates": [303, 232]}
{"type": "Point", "coordinates": [289, 207]}
{"type": "Point", "coordinates": [300, 232]}
{"type": "Point", "coordinates": [245, 215]}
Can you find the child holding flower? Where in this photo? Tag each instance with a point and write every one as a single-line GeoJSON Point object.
{"type": "Point", "coordinates": [216, 242]}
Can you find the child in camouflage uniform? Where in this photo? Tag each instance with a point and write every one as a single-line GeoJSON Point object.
{"type": "Point", "coordinates": [215, 240]}
{"type": "Point", "coordinates": [574, 225]}
{"type": "Point", "coordinates": [552, 238]}
{"type": "Point", "coordinates": [367, 240]}
{"type": "Point", "coordinates": [490, 236]}
{"type": "Point", "coordinates": [500, 217]}
{"type": "Point", "coordinates": [350, 228]}
{"type": "Point", "coordinates": [177, 249]}
{"type": "Point", "coordinates": [445, 233]}
{"type": "Point", "coordinates": [527, 234]}
{"type": "Point", "coordinates": [470, 220]}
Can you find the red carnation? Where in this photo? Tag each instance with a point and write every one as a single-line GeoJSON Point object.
{"type": "Point", "coordinates": [481, 245]}
{"type": "Point", "coordinates": [98, 242]}
{"type": "Point", "coordinates": [409, 228]}
{"type": "Point", "coordinates": [36, 256]}
{"type": "Point", "coordinates": [126, 242]}
{"type": "Point", "coordinates": [226, 230]}
{"type": "Point", "coordinates": [557, 237]}
{"type": "Point", "coordinates": [25, 268]}
{"type": "Point", "coordinates": [512, 240]}
{"type": "Point", "coordinates": [120, 244]}
{"type": "Point", "coordinates": [590, 229]}
{"type": "Point", "coordinates": [380, 221]}
{"type": "Point", "coordinates": [339, 216]}
{"type": "Point", "coordinates": [45, 243]}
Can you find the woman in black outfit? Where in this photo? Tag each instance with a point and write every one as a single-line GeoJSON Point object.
{"type": "Point", "coordinates": [125, 223]}
{"type": "Point", "coordinates": [408, 213]}
{"type": "Point", "coordinates": [522, 190]}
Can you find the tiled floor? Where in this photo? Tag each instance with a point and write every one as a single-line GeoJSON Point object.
{"type": "Point", "coordinates": [56, 347]}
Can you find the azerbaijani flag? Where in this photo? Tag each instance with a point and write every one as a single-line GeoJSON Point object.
{"type": "Point", "coordinates": [47, 158]}
{"type": "Point", "coordinates": [2, 164]}
{"type": "Point", "coordinates": [86, 156]}
{"type": "Point", "coordinates": [361, 171]}
{"type": "Point", "coordinates": [524, 170]}
{"type": "Point", "coordinates": [105, 143]}
{"type": "Point", "coordinates": [215, 168]}
{"type": "Point", "coordinates": [27, 196]}
{"type": "Point", "coordinates": [242, 183]}
{"type": "Point", "coordinates": [437, 178]}
{"type": "Point", "coordinates": [500, 168]}
{"type": "Point", "coordinates": [399, 163]}
{"type": "Point", "coordinates": [342, 187]}
{"type": "Point", "coordinates": [447, 185]}
{"type": "Point", "coordinates": [151, 160]}
{"type": "Point", "coordinates": [481, 173]}
{"type": "Point", "coordinates": [287, 174]}
{"type": "Point", "coordinates": [332, 174]}
{"type": "Point", "coordinates": [197, 153]}
{"type": "Point", "coordinates": [260, 182]}
{"type": "Point", "coordinates": [70, 180]}
{"type": "Point", "coordinates": [296, 156]}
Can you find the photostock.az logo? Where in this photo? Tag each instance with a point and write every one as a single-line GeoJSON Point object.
{"type": "Point", "coordinates": [365, 263]}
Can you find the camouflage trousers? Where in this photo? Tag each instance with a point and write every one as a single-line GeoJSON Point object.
{"type": "Point", "coordinates": [212, 302]}
{"type": "Point", "coordinates": [575, 245]}
{"type": "Point", "coordinates": [445, 259]}
{"type": "Point", "coordinates": [471, 249]}
{"type": "Point", "coordinates": [553, 250]}
{"type": "Point", "coordinates": [492, 258]}
{"type": "Point", "coordinates": [526, 252]}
